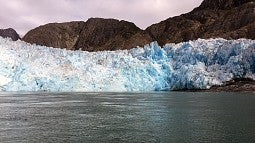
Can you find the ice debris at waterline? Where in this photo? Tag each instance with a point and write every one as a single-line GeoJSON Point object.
{"type": "Point", "coordinates": [190, 65]}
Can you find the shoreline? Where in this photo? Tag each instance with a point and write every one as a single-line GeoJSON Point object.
{"type": "Point", "coordinates": [235, 85]}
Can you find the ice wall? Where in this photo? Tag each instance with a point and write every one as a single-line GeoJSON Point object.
{"type": "Point", "coordinates": [191, 65]}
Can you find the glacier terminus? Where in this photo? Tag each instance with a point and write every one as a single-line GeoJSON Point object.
{"type": "Point", "coordinates": [197, 64]}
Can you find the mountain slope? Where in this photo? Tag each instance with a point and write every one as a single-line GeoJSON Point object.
{"type": "Point", "coordinates": [58, 35]}
{"type": "Point", "coordinates": [229, 19]}
{"type": "Point", "coordinates": [10, 33]}
{"type": "Point", "coordinates": [96, 34]}
{"type": "Point", "coordinates": [109, 34]}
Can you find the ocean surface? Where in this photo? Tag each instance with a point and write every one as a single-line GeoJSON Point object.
{"type": "Point", "coordinates": [127, 117]}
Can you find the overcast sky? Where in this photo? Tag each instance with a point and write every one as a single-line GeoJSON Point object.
{"type": "Point", "coordinates": [24, 15]}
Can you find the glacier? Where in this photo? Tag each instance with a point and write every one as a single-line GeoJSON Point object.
{"type": "Point", "coordinates": [197, 64]}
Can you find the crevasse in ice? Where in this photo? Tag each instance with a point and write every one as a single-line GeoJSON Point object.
{"type": "Point", "coordinates": [190, 65]}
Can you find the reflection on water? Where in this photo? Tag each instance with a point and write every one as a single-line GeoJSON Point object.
{"type": "Point", "coordinates": [127, 117]}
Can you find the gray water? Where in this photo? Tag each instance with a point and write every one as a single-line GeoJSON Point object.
{"type": "Point", "coordinates": [127, 117]}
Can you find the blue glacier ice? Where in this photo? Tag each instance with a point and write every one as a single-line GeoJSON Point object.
{"type": "Point", "coordinates": [190, 65]}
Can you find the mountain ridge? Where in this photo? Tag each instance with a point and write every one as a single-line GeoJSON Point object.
{"type": "Point", "coordinates": [96, 34]}
{"type": "Point", "coordinates": [9, 33]}
{"type": "Point", "coordinates": [228, 19]}
{"type": "Point", "coordinates": [212, 19]}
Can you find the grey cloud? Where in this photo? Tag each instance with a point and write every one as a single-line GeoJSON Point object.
{"type": "Point", "coordinates": [24, 15]}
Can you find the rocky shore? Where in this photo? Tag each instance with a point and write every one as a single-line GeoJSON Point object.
{"type": "Point", "coordinates": [235, 85]}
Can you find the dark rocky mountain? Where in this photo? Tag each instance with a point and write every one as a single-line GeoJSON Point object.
{"type": "Point", "coordinates": [229, 19]}
{"type": "Point", "coordinates": [58, 35]}
{"type": "Point", "coordinates": [222, 4]}
{"type": "Point", "coordinates": [110, 34]}
{"type": "Point", "coordinates": [10, 33]}
{"type": "Point", "coordinates": [96, 34]}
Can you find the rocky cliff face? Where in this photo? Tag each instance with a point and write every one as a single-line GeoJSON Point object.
{"type": "Point", "coordinates": [229, 19]}
{"type": "Point", "coordinates": [109, 34]}
{"type": "Point", "coordinates": [96, 34]}
{"type": "Point", "coordinates": [10, 33]}
{"type": "Point", "coordinates": [58, 35]}
{"type": "Point", "coordinates": [222, 4]}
